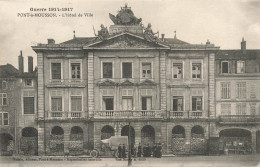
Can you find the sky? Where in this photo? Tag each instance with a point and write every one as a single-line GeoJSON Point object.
{"type": "Point", "coordinates": [223, 22]}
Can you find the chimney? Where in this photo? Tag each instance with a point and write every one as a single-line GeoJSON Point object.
{"type": "Point", "coordinates": [163, 37]}
{"type": "Point", "coordinates": [30, 64]}
{"type": "Point", "coordinates": [51, 41]}
{"type": "Point", "coordinates": [243, 46]}
{"type": "Point", "coordinates": [208, 42]}
{"type": "Point", "coordinates": [20, 62]}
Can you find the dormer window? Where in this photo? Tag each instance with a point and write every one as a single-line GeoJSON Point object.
{"type": "Point", "coordinates": [240, 66]}
{"type": "Point", "coordinates": [224, 67]}
{"type": "Point", "coordinates": [28, 82]}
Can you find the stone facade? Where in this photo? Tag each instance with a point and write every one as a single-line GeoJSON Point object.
{"type": "Point", "coordinates": [163, 90]}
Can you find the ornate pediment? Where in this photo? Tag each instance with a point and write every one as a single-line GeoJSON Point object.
{"type": "Point", "coordinates": [127, 83]}
{"type": "Point", "coordinates": [125, 40]}
{"type": "Point", "coordinates": [107, 83]}
{"type": "Point", "coordinates": [148, 82]}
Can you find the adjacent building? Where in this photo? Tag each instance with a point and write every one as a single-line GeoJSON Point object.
{"type": "Point", "coordinates": [18, 107]}
{"type": "Point", "coordinates": [238, 97]}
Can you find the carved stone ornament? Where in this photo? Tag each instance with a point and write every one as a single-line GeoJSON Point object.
{"type": "Point", "coordinates": [125, 17]}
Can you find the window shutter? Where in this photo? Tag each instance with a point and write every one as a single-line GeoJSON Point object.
{"type": "Point", "coordinates": [28, 105]}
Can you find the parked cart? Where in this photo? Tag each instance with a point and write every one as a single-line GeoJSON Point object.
{"type": "Point", "coordinates": [109, 146]}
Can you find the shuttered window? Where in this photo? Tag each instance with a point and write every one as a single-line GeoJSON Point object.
{"type": "Point", "coordinates": [28, 105]}
{"type": "Point", "coordinates": [76, 103]}
{"type": "Point", "coordinates": [4, 118]}
{"type": "Point", "coordinates": [56, 104]}
{"type": "Point", "coordinates": [241, 90]}
{"type": "Point", "coordinates": [3, 99]}
{"type": "Point", "coordinates": [225, 90]}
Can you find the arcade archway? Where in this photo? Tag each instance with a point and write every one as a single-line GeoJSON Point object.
{"type": "Point", "coordinates": [29, 141]}
{"type": "Point", "coordinates": [6, 144]}
{"type": "Point", "coordinates": [236, 140]}
{"type": "Point", "coordinates": [178, 139]}
{"type": "Point", "coordinates": [56, 141]}
{"type": "Point", "coordinates": [198, 141]}
{"type": "Point", "coordinates": [106, 132]}
{"type": "Point", "coordinates": [125, 132]}
{"type": "Point", "coordinates": [147, 135]}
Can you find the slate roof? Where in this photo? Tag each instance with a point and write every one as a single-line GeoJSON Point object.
{"type": "Point", "coordinates": [173, 41]}
{"type": "Point", "coordinates": [89, 40]}
{"type": "Point", "coordinates": [237, 54]}
{"type": "Point", "coordinates": [8, 70]}
{"type": "Point", "coordinates": [80, 40]}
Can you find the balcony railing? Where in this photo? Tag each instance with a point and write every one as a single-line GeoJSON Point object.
{"type": "Point", "coordinates": [65, 114]}
{"type": "Point", "coordinates": [128, 114]}
{"type": "Point", "coordinates": [239, 118]}
{"type": "Point", "coordinates": [187, 114]}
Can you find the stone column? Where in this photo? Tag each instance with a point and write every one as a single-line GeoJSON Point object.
{"type": "Point", "coordinates": [41, 111]}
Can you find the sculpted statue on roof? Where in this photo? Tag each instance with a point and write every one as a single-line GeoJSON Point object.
{"type": "Point", "coordinates": [125, 17]}
{"type": "Point", "coordinates": [102, 33]}
{"type": "Point", "coordinates": [149, 34]}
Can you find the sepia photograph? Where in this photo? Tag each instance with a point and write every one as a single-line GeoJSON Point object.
{"type": "Point", "coordinates": [119, 83]}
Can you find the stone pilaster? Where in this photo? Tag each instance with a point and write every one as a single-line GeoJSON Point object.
{"type": "Point", "coordinates": [137, 134]}
{"type": "Point", "coordinates": [90, 83]}
{"type": "Point", "coordinates": [41, 145]}
{"type": "Point", "coordinates": [40, 64]}
{"type": "Point", "coordinates": [163, 80]}
{"type": "Point", "coordinates": [253, 134]}
{"type": "Point", "coordinates": [66, 140]}
{"type": "Point", "coordinates": [212, 108]}
{"type": "Point", "coordinates": [97, 135]}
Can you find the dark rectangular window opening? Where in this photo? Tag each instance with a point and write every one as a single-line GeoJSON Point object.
{"type": "Point", "coordinates": [177, 103]}
{"type": "Point", "coordinates": [224, 67]}
{"type": "Point", "coordinates": [28, 105]}
{"type": "Point", "coordinates": [127, 70]}
{"type": "Point", "coordinates": [109, 103]}
{"type": "Point", "coordinates": [146, 103]}
{"type": "Point", "coordinates": [56, 70]}
{"type": "Point", "coordinates": [107, 70]}
{"type": "Point", "coordinates": [196, 103]}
